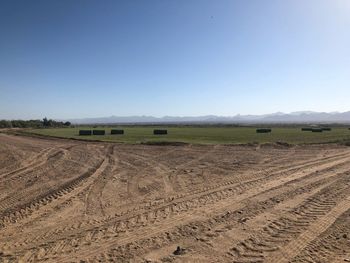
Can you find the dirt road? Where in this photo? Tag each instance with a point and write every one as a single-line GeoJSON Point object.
{"type": "Point", "coordinates": [73, 201]}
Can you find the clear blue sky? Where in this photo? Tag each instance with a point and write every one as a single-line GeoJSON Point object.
{"type": "Point", "coordinates": [72, 59]}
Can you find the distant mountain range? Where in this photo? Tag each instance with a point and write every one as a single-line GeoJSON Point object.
{"type": "Point", "coordinates": [278, 117]}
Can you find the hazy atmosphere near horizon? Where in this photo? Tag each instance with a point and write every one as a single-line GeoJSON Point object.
{"type": "Point", "coordinates": [76, 59]}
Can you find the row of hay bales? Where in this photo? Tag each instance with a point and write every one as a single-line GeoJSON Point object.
{"type": "Point", "coordinates": [312, 129]}
{"type": "Point", "coordinates": [318, 129]}
{"type": "Point", "coordinates": [115, 132]}
{"type": "Point", "coordinates": [99, 132]}
{"type": "Point", "coordinates": [164, 131]}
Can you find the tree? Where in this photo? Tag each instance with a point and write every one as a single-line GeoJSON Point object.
{"type": "Point", "coordinates": [5, 124]}
{"type": "Point", "coordinates": [45, 122]}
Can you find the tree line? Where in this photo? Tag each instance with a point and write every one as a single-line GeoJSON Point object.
{"type": "Point", "coordinates": [44, 123]}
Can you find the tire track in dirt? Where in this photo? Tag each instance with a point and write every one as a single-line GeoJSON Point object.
{"type": "Point", "coordinates": [161, 170]}
{"type": "Point", "coordinates": [22, 147]}
{"type": "Point", "coordinates": [286, 253]}
{"type": "Point", "coordinates": [269, 204]}
{"type": "Point", "coordinates": [93, 200]}
{"type": "Point", "coordinates": [174, 178]}
{"type": "Point", "coordinates": [11, 213]}
{"type": "Point", "coordinates": [9, 201]}
{"type": "Point", "coordinates": [331, 244]}
{"type": "Point", "coordinates": [40, 166]}
{"type": "Point", "coordinates": [38, 160]}
{"type": "Point", "coordinates": [149, 166]}
{"type": "Point", "coordinates": [225, 187]}
{"type": "Point", "coordinates": [127, 241]}
{"type": "Point", "coordinates": [172, 217]}
{"type": "Point", "coordinates": [164, 213]}
{"type": "Point", "coordinates": [219, 187]}
{"type": "Point", "coordinates": [243, 178]}
{"type": "Point", "coordinates": [10, 159]}
{"type": "Point", "coordinates": [272, 244]}
{"type": "Point", "coordinates": [68, 194]}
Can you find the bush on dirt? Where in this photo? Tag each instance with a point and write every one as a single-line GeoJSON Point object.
{"type": "Point", "coordinates": [179, 251]}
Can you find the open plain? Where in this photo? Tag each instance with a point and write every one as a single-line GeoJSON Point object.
{"type": "Point", "coordinates": [76, 201]}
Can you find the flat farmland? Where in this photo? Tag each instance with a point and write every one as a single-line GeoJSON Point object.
{"type": "Point", "coordinates": [204, 135]}
{"type": "Point", "coordinates": [80, 201]}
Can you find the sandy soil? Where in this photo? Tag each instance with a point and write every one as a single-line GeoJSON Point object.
{"type": "Point", "coordinates": [71, 201]}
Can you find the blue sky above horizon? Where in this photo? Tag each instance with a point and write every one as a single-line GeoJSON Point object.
{"type": "Point", "coordinates": [82, 58]}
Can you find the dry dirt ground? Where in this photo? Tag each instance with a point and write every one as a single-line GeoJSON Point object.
{"type": "Point", "coordinates": [73, 201]}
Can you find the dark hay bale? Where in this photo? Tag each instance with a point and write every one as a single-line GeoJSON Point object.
{"type": "Point", "coordinates": [317, 130]}
{"type": "Point", "coordinates": [263, 130]}
{"type": "Point", "coordinates": [160, 132]}
{"type": "Point", "coordinates": [98, 132]}
{"type": "Point", "coordinates": [306, 129]}
{"type": "Point", "coordinates": [114, 131]}
{"type": "Point", "coordinates": [326, 128]}
{"type": "Point", "coordinates": [84, 132]}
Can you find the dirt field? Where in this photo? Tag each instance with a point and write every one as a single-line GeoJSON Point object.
{"type": "Point", "coordinates": [71, 201]}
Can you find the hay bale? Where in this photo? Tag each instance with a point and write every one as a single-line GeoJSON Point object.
{"type": "Point", "coordinates": [306, 129]}
{"type": "Point", "coordinates": [263, 130]}
{"type": "Point", "coordinates": [84, 132]}
{"type": "Point", "coordinates": [317, 130]}
{"type": "Point", "coordinates": [115, 131]}
{"type": "Point", "coordinates": [160, 132]}
{"type": "Point", "coordinates": [98, 132]}
{"type": "Point", "coordinates": [326, 128]}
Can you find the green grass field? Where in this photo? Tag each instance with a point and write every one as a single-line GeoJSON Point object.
{"type": "Point", "coordinates": [204, 135]}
